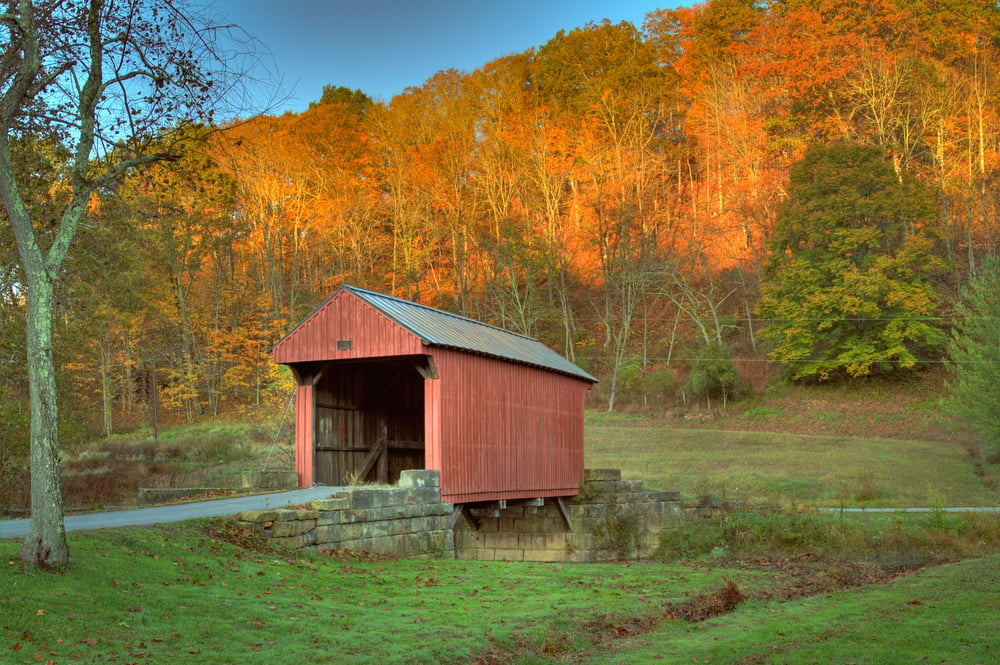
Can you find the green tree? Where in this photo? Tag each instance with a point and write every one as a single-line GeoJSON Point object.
{"type": "Point", "coordinates": [847, 285]}
{"type": "Point", "coordinates": [975, 354]}
{"type": "Point", "coordinates": [102, 80]}
{"type": "Point", "coordinates": [356, 101]}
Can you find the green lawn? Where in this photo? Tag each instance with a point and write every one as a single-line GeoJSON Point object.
{"type": "Point", "coordinates": [175, 594]}
{"type": "Point", "coordinates": [948, 614]}
{"type": "Point", "coordinates": [184, 593]}
{"type": "Point", "coordinates": [790, 469]}
{"type": "Point", "coordinates": [172, 594]}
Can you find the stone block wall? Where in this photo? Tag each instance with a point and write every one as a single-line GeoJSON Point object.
{"type": "Point", "coordinates": [408, 520]}
{"type": "Point", "coordinates": [611, 519]}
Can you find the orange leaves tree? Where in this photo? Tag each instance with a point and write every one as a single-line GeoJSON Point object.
{"type": "Point", "coordinates": [614, 192]}
{"type": "Point", "coordinates": [180, 212]}
{"type": "Point", "coordinates": [608, 84]}
{"type": "Point", "coordinates": [306, 192]}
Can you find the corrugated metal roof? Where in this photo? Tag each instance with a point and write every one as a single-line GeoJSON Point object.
{"type": "Point", "coordinates": [436, 327]}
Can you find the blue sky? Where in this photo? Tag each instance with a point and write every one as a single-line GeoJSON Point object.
{"type": "Point", "coordinates": [384, 46]}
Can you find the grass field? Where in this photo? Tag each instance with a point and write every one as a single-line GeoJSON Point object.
{"type": "Point", "coordinates": [791, 586]}
{"type": "Point", "coordinates": [949, 614]}
{"type": "Point", "coordinates": [185, 593]}
{"type": "Point", "coordinates": [152, 595]}
{"type": "Point", "coordinates": [790, 469]}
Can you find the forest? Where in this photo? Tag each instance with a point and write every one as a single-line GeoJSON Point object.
{"type": "Point", "coordinates": [727, 193]}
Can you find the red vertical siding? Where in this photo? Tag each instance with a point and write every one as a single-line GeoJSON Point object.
{"type": "Point", "coordinates": [345, 317]}
{"type": "Point", "coordinates": [495, 429]}
{"type": "Point", "coordinates": [304, 410]}
{"type": "Point", "coordinates": [432, 424]}
{"type": "Point", "coordinates": [508, 431]}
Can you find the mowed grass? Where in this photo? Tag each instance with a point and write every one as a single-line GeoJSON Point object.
{"type": "Point", "coordinates": [175, 594]}
{"type": "Point", "coordinates": [180, 594]}
{"type": "Point", "coordinates": [789, 469]}
{"type": "Point", "coordinates": [949, 614]}
{"type": "Point", "coordinates": [185, 593]}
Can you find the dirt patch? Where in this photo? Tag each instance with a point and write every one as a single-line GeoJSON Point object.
{"type": "Point", "coordinates": [810, 576]}
{"type": "Point", "coordinates": [699, 607]}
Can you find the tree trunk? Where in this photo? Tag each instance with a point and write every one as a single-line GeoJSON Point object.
{"type": "Point", "coordinates": [192, 405]}
{"type": "Point", "coordinates": [45, 545]}
{"type": "Point", "coordinates": [106, 389]}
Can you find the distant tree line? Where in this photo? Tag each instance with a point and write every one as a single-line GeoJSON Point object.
{"type": "Point", "coordinates": [683, 208]}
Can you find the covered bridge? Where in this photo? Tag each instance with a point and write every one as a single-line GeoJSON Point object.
{"type": "Point", "coordinates": [385, 385]}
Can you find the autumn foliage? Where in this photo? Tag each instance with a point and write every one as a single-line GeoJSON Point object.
{"type": "Point", "coordinates": [615, 192]}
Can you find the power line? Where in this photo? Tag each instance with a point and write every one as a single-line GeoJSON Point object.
{"type": "Point", "coordinates": [676, 359]}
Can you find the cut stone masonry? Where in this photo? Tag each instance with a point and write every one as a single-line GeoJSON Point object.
{"type": "Point", "coordinates": [611, 519]}
{"type": "Point", "coordinates": [407, 521]}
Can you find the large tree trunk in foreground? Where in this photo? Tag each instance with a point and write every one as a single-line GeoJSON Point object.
{"type": "Point", "coordinates": [45, 545]}
{"type": "Point", "coordinates": [106, 87]}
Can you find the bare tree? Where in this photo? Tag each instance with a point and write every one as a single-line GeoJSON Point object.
{"type": "Point", "coordinates": [111, 85]}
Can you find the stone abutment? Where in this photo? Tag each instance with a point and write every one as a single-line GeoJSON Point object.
{"type": "Point", "coordinates": [611, 519]}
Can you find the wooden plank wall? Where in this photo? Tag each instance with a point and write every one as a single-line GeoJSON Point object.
{"type": "Point", "coordinates": [358, 403]}
{"type": "Point", "coordinates": [508, 431]}
{"type": "Point", "coordinates": [347, 319]}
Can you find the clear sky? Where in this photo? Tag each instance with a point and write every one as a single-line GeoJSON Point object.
{"type": "Point", "coordinates": [384, 46]}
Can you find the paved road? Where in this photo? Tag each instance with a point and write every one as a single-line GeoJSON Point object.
{"type": "Point", "coordinates": [220, 507]}
{"type": "Point", "coordinates": [957, 509]}
{"type": "Point", "coordinates": [175, 512]}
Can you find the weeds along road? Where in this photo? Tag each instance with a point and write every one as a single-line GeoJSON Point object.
{"type": "Point", "coordinates": [177, 512]}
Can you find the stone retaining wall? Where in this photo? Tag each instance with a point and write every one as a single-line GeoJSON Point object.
{"type": "Point", "coordinates": [611, 518]}
{"type": "Point", "coordinates": [408, 521]}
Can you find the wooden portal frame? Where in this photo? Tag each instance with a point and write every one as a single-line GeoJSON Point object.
{"type": "Point", "coordinates": [367, 419]}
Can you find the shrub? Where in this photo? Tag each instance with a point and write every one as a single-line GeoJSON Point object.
{"type": "Point", "coordinates": [644, 385]}
{"type": "Point", "coordinates": [620, 529]}
{"type": "Point", "coordinates": [713, 375]}
{"type": "Point", "coordinates": [690, 541]}
{"type": "Point", "coordinates": [630, 379]}
{"type": "Point", "coordinates": [659, 383]}
{"type": "Point", "coordinates": [906, 541]}
{"type": "Point", "coordinates": [975, 356]}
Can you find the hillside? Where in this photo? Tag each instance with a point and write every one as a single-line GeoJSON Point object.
{"type": "Point", "coordinates": [885, 409]}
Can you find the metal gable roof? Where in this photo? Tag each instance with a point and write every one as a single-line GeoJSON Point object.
{"type": "Point", "coordinates": [436, 327]}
